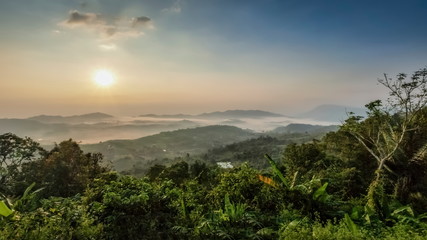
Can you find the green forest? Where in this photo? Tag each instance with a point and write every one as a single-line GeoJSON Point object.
{"type": "Point", "coordinates": [367, 180]}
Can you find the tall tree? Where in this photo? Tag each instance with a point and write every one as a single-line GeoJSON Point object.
{"type": "Point", "coordinates": [65, 171]}
{"type": "Point", "coordinates": [14, 152]}
{"type": "Point", "coordinates": [386, 132]}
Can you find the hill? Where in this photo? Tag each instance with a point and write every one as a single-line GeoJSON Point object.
{"type": "Point", "coordinates": [182, 116]}
{"type": "Point", "coordinates": [90, 117]}
{"type": "Point", "coordinates": [124, 154]}
{"type": "Point", "coordinates": [251, 151]}
{"type": "Point", "coordinates": [235, 114]}
{"type": "Point", "coordinates": [31, 128]}
{"type": "Point", "coordinates": [240, 114]}
{"type": "Point", "coordinates": [49, 131]}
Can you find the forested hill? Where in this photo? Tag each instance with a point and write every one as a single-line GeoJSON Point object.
{"type": "Point", "coordinates": [124, 154]}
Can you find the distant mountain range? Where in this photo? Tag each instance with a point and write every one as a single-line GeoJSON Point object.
{"type": "Point", "coordinates": [235, 114]}
{"type": "Point", "coordinates": [96, 127]}
{"type": "Point", "coordinates": [331, 113]}
{"type": "Point", "coordinates": [240, 114]}
{"type": "Point", "coordinates": [90, 117]}
{"type": "Point", "coordinates": [156, 137]}
{"type": "Point", "coordinates": [48, 130]}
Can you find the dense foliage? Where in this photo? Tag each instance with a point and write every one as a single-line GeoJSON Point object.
{"type": "Point", "coordinates": [365, 181]}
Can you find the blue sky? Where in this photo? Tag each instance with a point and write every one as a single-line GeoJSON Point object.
{"type": "Point", "coordinates": [193, 56]}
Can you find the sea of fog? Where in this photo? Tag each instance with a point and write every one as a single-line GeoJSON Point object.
{"type": "Point", "coordinates": [136, 127]}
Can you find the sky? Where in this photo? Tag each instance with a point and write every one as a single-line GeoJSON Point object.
{"type": "Point", "coordinates": [193, 56]}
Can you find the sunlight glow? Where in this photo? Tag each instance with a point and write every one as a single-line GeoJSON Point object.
{"type": "Point", "coordinates": [103, 78]}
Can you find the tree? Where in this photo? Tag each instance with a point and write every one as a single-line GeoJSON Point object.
{"type": "Point", "coordinates": [155, 171]}
{"type": "Point", "coordinates": [64, 171]}
{"type": "Point", "coordinates": [178, 172]}
{"type": "Point", "coordinates": [387, 130]}
{"type": "Point", "coordinates": [354, 167]}
{"type": "Point", "coordinates": [306, 159]}
{"type": "Point", "coordinates": [14, 152]}
{"type": "Point", "coordinates": [388, 125]}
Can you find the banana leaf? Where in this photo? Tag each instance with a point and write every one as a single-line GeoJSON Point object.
{"type": "Point", "coordinates": [4, 209]}
{"type": "Point", "coordinates": [276, 170]}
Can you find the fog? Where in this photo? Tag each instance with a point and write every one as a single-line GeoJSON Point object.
{"type": "Point", "coordinates": [127, 127]}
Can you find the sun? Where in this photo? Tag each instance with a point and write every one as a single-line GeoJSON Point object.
{"type": "Point", "coordinates": [103, 78]}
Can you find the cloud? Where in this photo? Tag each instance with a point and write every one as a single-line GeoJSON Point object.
{"type": "Point", "coordinates": [107, 27]}
{"type": "Point", "coordinates": [75, 19]}
{"type": "Point", "coordinates": [142, 21]}
{"type": "Point", "coordinates": [108, 47]}
{"type": "Point", "coordinates": [175, 8]}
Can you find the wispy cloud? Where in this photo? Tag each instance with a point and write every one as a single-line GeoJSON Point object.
{"type": "Point", "coordinates": [108, 47]}
{"type": "Point", "coordinates": [175, 8]}
{"type": "Point", "coordinates": [108, 27]}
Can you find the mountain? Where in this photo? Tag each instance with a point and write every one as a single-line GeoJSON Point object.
{"type": "Point", "coordinates": [167, 116]}
{"type": "Point", "coordinates": [234, 114]}
{"type": "Point", "coordinates": [304, 128]}
{"type": "Point", "coordinates": [331, 113]}
{"type": "Point", "coordinates": [233, 122]}
{"type": "Point", "coordinates": [240, 114]}
{"type": "Point", "coordinates": [96, 127]}
{"type": "Point", "coordinates": [124, 154]}
{"type": "Point", "coordinates": [26, 127]}
{"type": "Point", "coordinates": [90, 117]}
{"type": "Point", "coordinates": [49, 132]}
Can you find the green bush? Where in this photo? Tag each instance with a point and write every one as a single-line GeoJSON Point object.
{"type": "Point", "coordinates": [56, 218]}
{"type": "Point", "coordinates": [130, 208]}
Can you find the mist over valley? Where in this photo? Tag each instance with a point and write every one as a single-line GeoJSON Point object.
{"type": "Point", "coordinates": [98, 127]}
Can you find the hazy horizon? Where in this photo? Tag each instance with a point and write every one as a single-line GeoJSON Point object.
{"type": "Point", "coordinates": [97, 128]}
{"type": "Point", "coordinates": [70, 57]}
{"type": "Point", "coordinates": [160, 112]}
